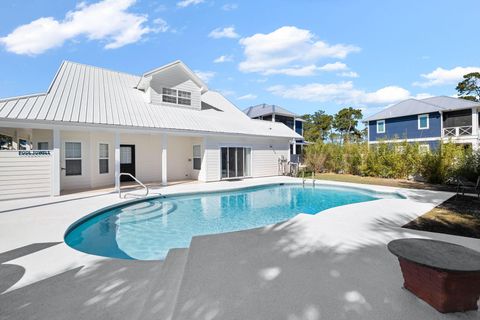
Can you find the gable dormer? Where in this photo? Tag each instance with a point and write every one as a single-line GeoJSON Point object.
{"type": "Point", "coordinates": [173, 85]}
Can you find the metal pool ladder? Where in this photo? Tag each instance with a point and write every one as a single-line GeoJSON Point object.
{"type": "Point", "coordinates": [136, 180]}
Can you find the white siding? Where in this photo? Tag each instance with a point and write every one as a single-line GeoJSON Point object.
{"type": "Point", "coordinates": [147, 158]}
{"type": "Point", "coordinates": [179, 153]}
{"type": "Point", "coordinates": [148, 155]}
{"type": "Point", "coordinates": [24, 176]}
{"type": "Point", "coordinates": [180, 158]}
{"type": "Point", "coordinates": [39, 135]}
{"type": "Point", "coordinates": [265, 154]}
{"type": "Point", "coordinates": [104, 179]}
{"type": "Point", "coordinates": [81, 181]}
{"type": "Point", "coordinates": [189, 86]}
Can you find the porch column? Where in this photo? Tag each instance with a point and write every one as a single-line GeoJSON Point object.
{"type": "Point", "coordinates": [56, 163]}
{"type": "Point", "coordinates": [164, 159]}
{"type": "Point", "coordinates": [475, 122]}
{"type": "Point", "coordinates": [117, 161]}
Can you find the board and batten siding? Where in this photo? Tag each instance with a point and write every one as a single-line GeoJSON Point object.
{"type": "Point", "coordinates": [265, 154]}
{"type": "Point", "coordinates": [406, 128]}
{"type": "Point", "coordinates": [24, 176]}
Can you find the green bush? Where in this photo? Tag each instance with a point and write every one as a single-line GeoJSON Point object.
{"type": "Point", "coordinates": [394, 160]}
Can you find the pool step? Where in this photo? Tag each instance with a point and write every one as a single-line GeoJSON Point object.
{"type": "Point", "coordinates": [223, 276]}
{"type": "Point", "coordinates": [192, 300]}
{"type": "Point", "coordinates": [163, 293]}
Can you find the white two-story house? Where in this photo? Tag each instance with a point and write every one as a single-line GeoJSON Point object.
{"type": "Point", "coordinates": [166, 125]}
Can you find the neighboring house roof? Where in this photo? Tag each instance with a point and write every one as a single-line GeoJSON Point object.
{"type": "Point", "coordinates": [267, 109]}
{"type": "Point", "coordinates": [451, 103]}
{"type": "Point", "coordinates": [88, 95]}
{"type": "Point", "coordinates": [414, 107]}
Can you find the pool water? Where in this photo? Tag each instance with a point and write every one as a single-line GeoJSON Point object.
{"type": "Point", "coordinates": [147, 229]}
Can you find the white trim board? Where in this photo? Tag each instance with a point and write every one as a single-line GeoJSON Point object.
{"type": "Point", "coordinates": [407, 140]}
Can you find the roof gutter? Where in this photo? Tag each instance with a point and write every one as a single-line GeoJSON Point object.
{"type": "Point", "coordinates": [82, 126]}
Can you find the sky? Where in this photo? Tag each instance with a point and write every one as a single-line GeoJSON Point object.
{"type": "Point", "coordinates": [304, 55]}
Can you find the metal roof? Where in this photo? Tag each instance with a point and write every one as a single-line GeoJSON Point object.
{"type": "Point", "coordinates": [451, 103]}
{"type": "Point", "coordinates": [267, 109]}
{"type": "Point", "coordinates": [95, 96]}
{"type": "Point", "coordinates": [414, 107]}
{"type": "Point", "coordinates": [146, 77]}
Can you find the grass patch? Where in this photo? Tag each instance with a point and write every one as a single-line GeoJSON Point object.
{"type": "Point", "coordinates": [397, 183]}
{"type": "Point", "coordinates": [459, 216]}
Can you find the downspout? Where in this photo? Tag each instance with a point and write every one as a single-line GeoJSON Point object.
{"type": "Point", "coordinates": [441, 126]}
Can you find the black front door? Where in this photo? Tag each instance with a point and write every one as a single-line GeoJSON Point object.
{"type": "Point", "coordinates": [127, 161]}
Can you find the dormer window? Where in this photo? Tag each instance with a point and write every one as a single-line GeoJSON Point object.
{"type": "Point", "coordinates": [176, 96]}
{"type": "Point", "coordinates": [184, 97]}
{"type": "Point", "coordinates": [169, 95]}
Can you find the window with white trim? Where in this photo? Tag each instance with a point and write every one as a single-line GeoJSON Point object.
{"type": "Point", "coordinates": [103, 158]}
{"type": "Point", "coordinates": [73, 158]}
{"type": "Point", "coordinates": [177, 96]}
{"type": "Point", "coordinates": [380, 126]}
{"type": "Point", "coordinates": [197, 157]}
{"type": "Point", "coordinates": [169, 95]}
{"type": "Point", "coordinates": [185, 98]}
{"type": "Point", "coordinates": [423, 122]}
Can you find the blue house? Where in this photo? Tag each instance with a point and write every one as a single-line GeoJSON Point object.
{"type": "Point", "coordinates": [269, 112]}
{"type": "Point", "coordinates": [429, 122]}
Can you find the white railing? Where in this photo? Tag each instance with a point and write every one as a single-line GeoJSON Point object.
{"type": "Point", "coordinates": [135, 179]}
{"type": "Point", "coordinates": [457, 131]}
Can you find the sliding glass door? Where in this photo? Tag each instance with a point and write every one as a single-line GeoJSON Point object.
{"type": "Point", "coordinates": [235, 162]}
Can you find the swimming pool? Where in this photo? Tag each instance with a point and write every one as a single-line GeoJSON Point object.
{"type": "Point", "coordinates": [148, 228]}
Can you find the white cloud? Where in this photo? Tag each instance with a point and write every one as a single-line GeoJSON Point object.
{"type": "Point", "coordinates": [160, 8]}
{"type": "Point", "coordinates": [423, 95]}
{"type": "Point", "coordinates": [294, 71]}
{"type": "Point", "coordinates": [206, 76]}
{"type": "Point", "coordinates": [259, 80]}
{"type": "Point", "coordinates": [187, 3]}
{"type": "Point", "coordinates": [249, 96]}
{"type": "Point", "coordinates": [229, 6]}
{"type": "Point", "coordinates": [108, 21]}
{"type": "Point", "coordinates": [227, 92]}
{"type": "Point", "coordinates": [348, 74]}
{"type": "Point", "coordinates": [227, 32]}
{"type": "Point", "coordinates": [311, 69]}
{"type": "Point", "coordinates": [289, 48]}
{"type": "Point", "coordinates": [343, 92]}
{"type": "Point", "coordinates": [336, 66]}
{"type": "Point", "coordinates": [160, 25]}
{"type": "Point", "coordinates": [441, 76]}
{"type": "Point", "coordinates": [223, 58]}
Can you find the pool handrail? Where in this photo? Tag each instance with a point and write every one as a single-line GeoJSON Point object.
{"type": "Point", "coordinates": [135, 179]}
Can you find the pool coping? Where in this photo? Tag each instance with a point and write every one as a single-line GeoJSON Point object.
{"type": "Point", "coordinates": [180, 194]}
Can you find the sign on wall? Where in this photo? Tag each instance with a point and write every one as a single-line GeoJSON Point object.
{"type": "Point", "coordinates": [34, 153]}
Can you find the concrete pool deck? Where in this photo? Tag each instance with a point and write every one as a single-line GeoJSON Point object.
{"type": "Point", "coordinates": [334, 265]}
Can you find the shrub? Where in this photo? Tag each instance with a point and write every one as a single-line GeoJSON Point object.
{"type": "Point", "coordinates": [394, 160]}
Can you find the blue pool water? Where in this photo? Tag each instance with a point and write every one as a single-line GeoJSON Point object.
{"type": "Point", "coordinates": [147, 229]}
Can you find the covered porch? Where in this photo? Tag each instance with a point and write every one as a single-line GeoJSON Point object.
{"type": "Point", "coordinates": [76, 159]}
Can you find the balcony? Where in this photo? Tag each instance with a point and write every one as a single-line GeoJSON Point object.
{"type": "Point", "coordinates": [457, 131]}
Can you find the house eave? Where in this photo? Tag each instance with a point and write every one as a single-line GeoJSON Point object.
{"type": "Point", "coordinates": [81, 126]}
